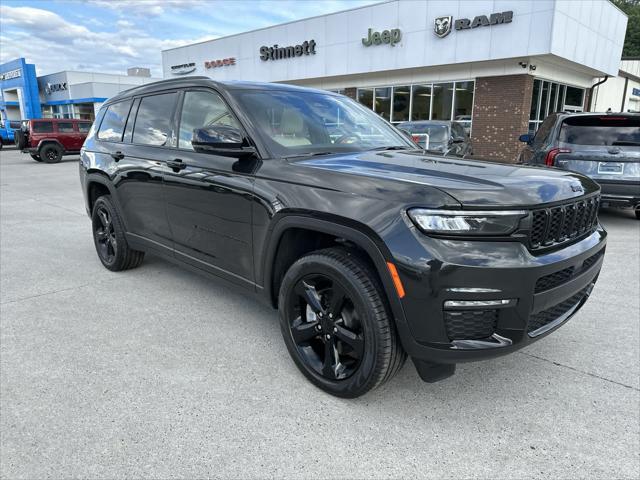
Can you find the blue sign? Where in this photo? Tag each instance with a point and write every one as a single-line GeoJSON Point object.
{"type": "Point", "coordinates": [19, 90]}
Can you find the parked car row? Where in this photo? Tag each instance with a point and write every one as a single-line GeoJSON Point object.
{"type": "Point", "coordinates": [604, 147]}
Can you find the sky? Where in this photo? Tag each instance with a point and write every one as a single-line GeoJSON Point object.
{"type": "Point", "coordinates": [111, 35]}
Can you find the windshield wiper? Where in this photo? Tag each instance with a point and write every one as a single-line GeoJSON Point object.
{"type": "Point", "coordinates": [310, 154]}
{"type": "Point", "coordinates": [392, 147]}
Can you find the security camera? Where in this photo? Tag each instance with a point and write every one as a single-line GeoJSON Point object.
{"type": "Point", "coordinates": [523, 64]}
{"type": "Point", "coordinates": [532, 67]}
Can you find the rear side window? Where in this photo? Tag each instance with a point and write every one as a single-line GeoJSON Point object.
{"type": "Point", "coordinates": [65, 127]}
{"type": "Point", "coordinates": [605, 130]}
{"type": "Point", "coordinates": [543, 132]}
{"type": "Point", "coordinates": [113, 122]}
{"type": "Point", "coordinates": [84, 127]}
{"type": "Point", "coordinates": [42, 127]}
{"type": "Point", "coordinates": [154, 120]}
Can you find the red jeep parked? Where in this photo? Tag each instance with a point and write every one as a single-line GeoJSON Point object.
{"type": "Point", "coordinates": [48, 139]}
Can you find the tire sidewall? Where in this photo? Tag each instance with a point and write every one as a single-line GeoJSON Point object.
{"type": "Point", "coordinates": [364, 378]}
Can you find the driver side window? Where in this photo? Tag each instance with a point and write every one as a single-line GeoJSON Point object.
{"type": "Point", "coordinates": [202, 109]}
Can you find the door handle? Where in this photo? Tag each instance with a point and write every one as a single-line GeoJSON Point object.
{"type": "Point", "coordinates": [176, 165]}
{"type": "Point", "coordinates": [117, 156]}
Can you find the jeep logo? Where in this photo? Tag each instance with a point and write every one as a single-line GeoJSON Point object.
{"type": "Point", "coordinates": [390, 37]}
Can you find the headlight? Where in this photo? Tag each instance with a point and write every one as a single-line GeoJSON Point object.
{"type": "Point", "coordinates": [452, 222]}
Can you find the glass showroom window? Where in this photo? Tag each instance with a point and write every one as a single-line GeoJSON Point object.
{"type": "Point", "coordinates": [62, 111]}
{"type": "Point", "coordinates": [84, 111]}
{"type": "Point", "coordinates": [550, 97]}
{"type": "Point", "coordinates": [365, 97]}
{"type": "Point", "coordinates": [420, 102]}
{"type": "Point", "coordinates": [383, 102]}
{"type": "Point", "coordinates": [463, 104]}
{"type": "Point", "coordinates": [442, 101]}
{"type": "Point", "coordinates": [401, 103]}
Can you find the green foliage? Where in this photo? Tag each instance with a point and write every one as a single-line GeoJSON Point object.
{"type": "Point", "coordinates": [632, 40]}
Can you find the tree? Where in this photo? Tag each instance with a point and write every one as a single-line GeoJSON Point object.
{"type": "Point", "coordinates": [632, 39]}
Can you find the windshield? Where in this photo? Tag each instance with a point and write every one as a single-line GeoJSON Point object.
{"type": "Point", "coordinates": [436, 133]}
{"type": "Point", "coordinates": [605, 130]}
{"type": "Point", "coordinates": [301, 123]}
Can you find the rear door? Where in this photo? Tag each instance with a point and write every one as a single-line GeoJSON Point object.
{"type": "Point", "coordinates": [68, 136]}
{"type": "Point", "coordinates": [603, 147]}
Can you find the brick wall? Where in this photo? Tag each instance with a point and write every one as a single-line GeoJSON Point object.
{"type": "Point", "coordinates": [500, 115]}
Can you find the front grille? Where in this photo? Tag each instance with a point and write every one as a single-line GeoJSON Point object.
{"type": "Point", "coordinates": [554, 279]}
{"type": "Point", "coordinates": [556, 225]}
{"type": "Point", "coordinates": [545, 317]}
{"type": "Point", "coordinates": [470, 324]}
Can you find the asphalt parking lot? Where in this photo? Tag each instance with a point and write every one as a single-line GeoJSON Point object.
{"type": "Point", "coordinates": [158, 372]}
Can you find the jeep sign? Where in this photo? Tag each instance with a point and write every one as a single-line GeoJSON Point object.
{"type": "Point", "coordinates": [390, 37]}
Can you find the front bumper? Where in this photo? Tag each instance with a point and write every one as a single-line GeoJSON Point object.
{"type": "Point", "coordinates": [540, 292]}
{"type": "Point", "coordinates": [620, 193]}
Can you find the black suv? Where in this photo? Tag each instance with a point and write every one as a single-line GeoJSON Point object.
{"type": "Point", "coordinates": [370, 249]}
{"type": "Point", "coordinates": [603, 146]}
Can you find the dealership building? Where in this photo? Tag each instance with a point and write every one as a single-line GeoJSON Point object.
{"type": "Point", "coordinates": [497, 66]}
{"type": "Point", "coordinates": [67, 94]}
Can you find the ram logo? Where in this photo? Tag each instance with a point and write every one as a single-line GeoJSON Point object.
{"type": "Point", "coordinates": [442, 26]}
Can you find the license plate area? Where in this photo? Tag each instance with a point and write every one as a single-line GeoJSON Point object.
{"type": "Point", "coordinates": [611, 168]}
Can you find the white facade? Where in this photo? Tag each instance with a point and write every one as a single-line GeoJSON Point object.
{"type": "Point", "coordinates": [66, 93]}
{"type": "Point", "coordinates": [620, 93]}
{"type": "Point", "coordinates": [567, 41]}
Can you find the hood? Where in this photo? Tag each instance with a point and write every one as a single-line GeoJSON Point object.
{"type": "Point", "coordinates": [473, 183]}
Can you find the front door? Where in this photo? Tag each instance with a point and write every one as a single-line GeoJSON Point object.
{"type": "Point", "coordinates": [209, 197]}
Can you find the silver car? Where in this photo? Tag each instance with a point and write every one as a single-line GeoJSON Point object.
{"type": "Point", "coordinates": [603, 146]}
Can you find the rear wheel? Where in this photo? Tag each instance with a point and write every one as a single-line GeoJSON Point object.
{"type": "Point", "coordinates": [336, 324]}
{"type": "Point", "coordinates": [110, 241]}
{"type": "Point", "coordinates": [50, 153]}
{"type": "Point", "coordinates": [36, 157]}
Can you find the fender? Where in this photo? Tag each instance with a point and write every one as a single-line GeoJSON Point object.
{"type": "Point", "coordinates": [377, 251]}
{"type": "Point", "coordinates": [50, 140]}
{"type": "Point", "coordinates": [97, 176]}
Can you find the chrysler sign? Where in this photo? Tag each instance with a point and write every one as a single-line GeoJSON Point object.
{"type": "Point", "coordinates": [443, 25]}
{"type": "Point", "coordinates": [183, 69]}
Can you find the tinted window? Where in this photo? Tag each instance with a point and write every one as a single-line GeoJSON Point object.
{"type": "Point", "coordinates": [606, 130]}
{"type": "Point", "coordinates": [202, 109]}
{"type": "Point", "coordinates": [65, 127]}
{"type": "Point", "coordinates": [14, 125]}
{"type": "Point", "coordinates": [42, 127]}
{"type": "Point", "coordinates": [153, 122]}
{"type": "Point", "coordinates": [113, 121]}
{"type": "Point", "coordinates": [543, 131]}
{"type": "Point", "coordinates": [84, 127]}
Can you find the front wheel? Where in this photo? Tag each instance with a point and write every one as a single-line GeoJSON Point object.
{"type": "Point", "coordinates": [336, 324]}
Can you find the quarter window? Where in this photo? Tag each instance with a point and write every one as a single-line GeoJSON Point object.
{"type": "Point", "coordinates": [112, 125]}
{"type": "Point", "coordinates": [43, 127]}
{"type": "Point", "coordinates": [202, 109]}
{"type": "Point", "coordinates": [84, 127]}
{"type": "Point", "coordinates": [153, 122]}
{"type": "Point", "coordinates": [65, 127]}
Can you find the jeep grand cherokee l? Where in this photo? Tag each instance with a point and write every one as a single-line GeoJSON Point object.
{"type": "Point", "coordinates": [371, 250]}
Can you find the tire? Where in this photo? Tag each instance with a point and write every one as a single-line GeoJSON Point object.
{"type": "Point", "coordinates": [20, 139]}
{"type": "Point", "coordinates": [50, 153]}
{"type": "Point", "coordinates": [637, 213]}
{"type": "Point", "coordinates": [345, 347]}
{"type": "Point", "coordinates": [109, 239]}
{"type": "Point", "coordinates": [36, 157]}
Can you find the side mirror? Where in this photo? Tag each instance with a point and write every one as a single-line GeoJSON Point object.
{"type": "Point", "coordinates": [526, 138]}
{"type": "Point", "coordinates": [457, 140]}
{"type": "Point", "coordinates": [221, 140]}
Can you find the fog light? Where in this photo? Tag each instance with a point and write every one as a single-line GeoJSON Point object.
{"type": "Point", "coordinates": [478, 303]}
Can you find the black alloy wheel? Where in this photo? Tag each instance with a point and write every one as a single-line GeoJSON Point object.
{"type": "Point", "coordinates": [105, 235]}
{"type": "Point", "coordinates": [50, 153]}
{"type": "Point", "coordinates": [327, 330]}
{"type": "Point", "coordinates": [109, 237]}
{"type": "Point", "coordinates": [336, 323]}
